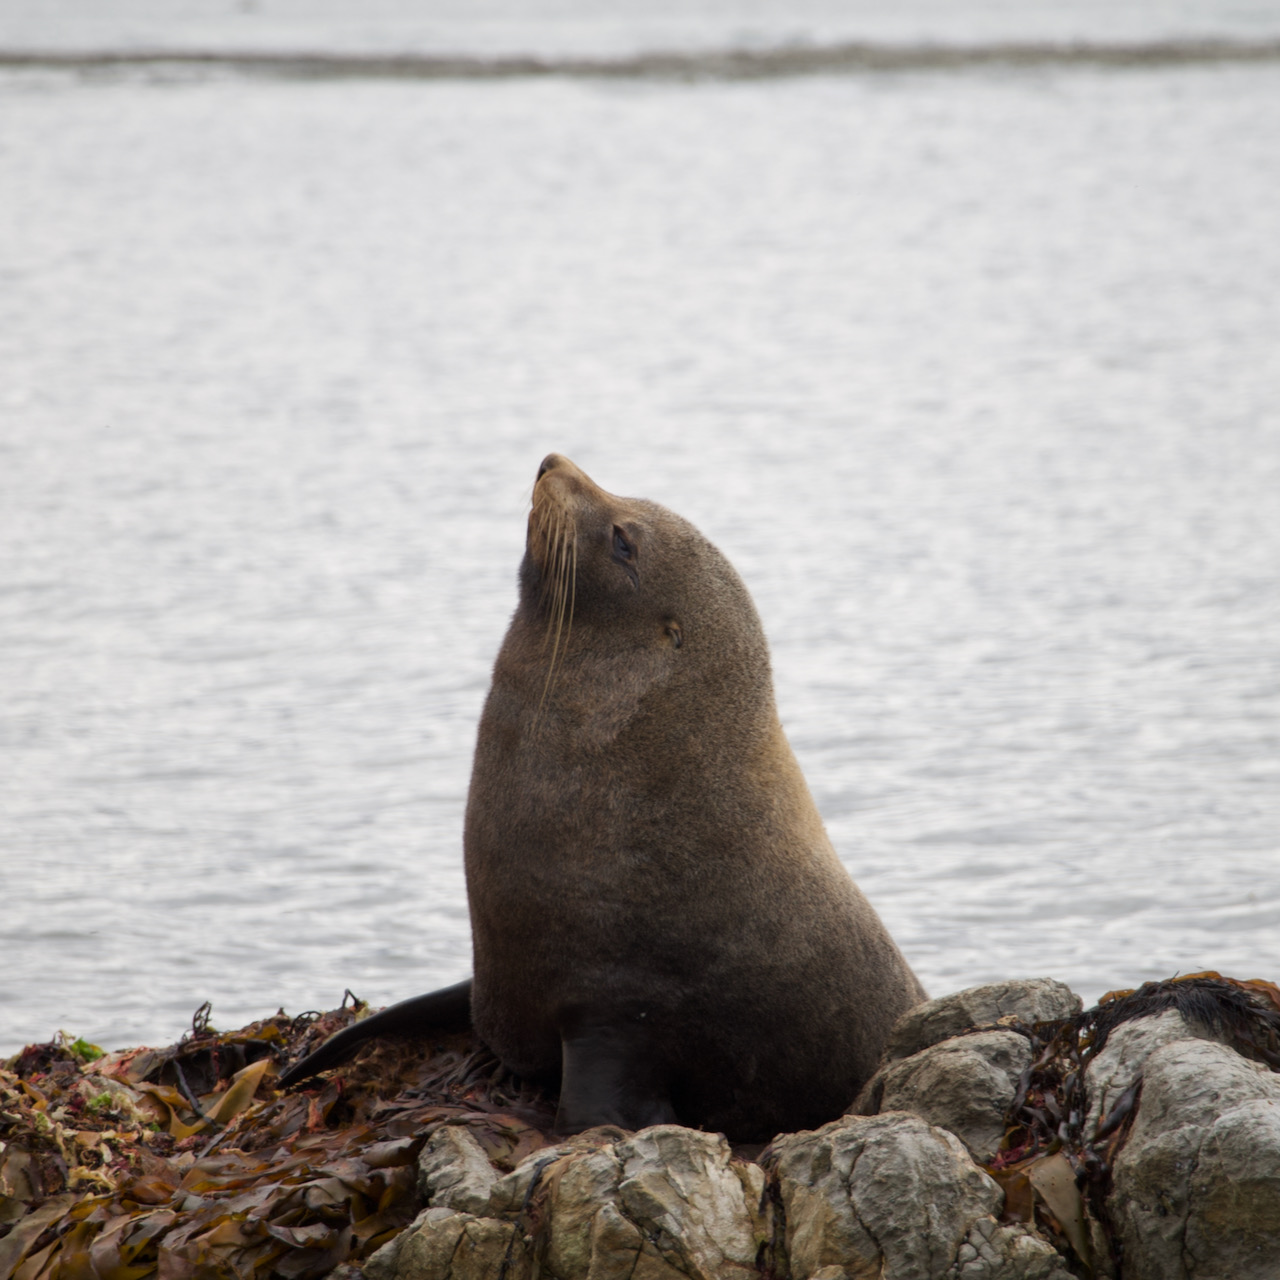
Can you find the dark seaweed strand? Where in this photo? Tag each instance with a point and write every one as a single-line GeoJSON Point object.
{"type": "Point", "coordinates": [1229, 1011]}
{"type": "Point", "coordinates": [1048, 1110]}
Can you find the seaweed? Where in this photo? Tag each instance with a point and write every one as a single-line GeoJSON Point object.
{"type": "Point", "coordinates": [186, 1161]}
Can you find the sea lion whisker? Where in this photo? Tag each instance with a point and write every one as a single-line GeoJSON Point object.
{"type": "Point", "coordinates": [566, 574]}
{"type": "Point", "coordinates": [555, 563]}
{"type": "Point", "coordinates": [544, 538]}
{"type": "Point", "coordinates": [551, 585]}
{"type": "Point", "coordinates": [573, 589]}
{"type": "Point", "coordinates": [564, 560]}
{"type": "Point", "coordinates": [546, 545]}
{"type": "Point", "coordinates": [550, 532]}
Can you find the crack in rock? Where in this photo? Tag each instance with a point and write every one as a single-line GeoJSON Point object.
{"type": "Point", "coordinates": [892, 1196]}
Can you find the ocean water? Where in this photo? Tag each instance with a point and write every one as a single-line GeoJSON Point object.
{"type": "Point", "coordinates": [562, 28]}
{"type": "Point", "coordinates": [973, 372]}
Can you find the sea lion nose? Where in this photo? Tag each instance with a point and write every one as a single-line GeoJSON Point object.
{"type": "Point", "coordinates": [550, 463]}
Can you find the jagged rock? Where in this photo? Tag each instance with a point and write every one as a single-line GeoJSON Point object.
{"type": "Point", "coordinates": [994, 1252]}
{"type": "Point", "coordinates": [1197, 1185]}
{"type": "Point", "coordinates": [455, 1246]}
{"type": "Point", "coordinates": [891, 1196]}
{"type": "Point", "coordinates": [584, 1226]}
{"type": "Point", "coordinates": [666, 1203]}
{"type": "Point", "coordinates": [1029, 1000]}
{"type": "Point", "coordinates": [443, 1244]}
{"type": "Point", "coordinates": [964, 1085]}
{"type": "Point", "coordinates": [454, 1172]}
{"type": "Point", "coordinates": [683, 1186]}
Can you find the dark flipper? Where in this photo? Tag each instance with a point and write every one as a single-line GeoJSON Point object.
{"type": "Point", "coordinates": [610, 1077]}
{"type": "Point", "coordinates": [438, 1011]}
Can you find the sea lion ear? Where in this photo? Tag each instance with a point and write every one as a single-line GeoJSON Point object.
{"type": "Point", "coordinates": [674, 633]}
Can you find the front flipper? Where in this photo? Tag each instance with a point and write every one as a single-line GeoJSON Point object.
{"type": "Point", "coordinates": [611, 1075]}
{"type": "Point", "coordinates": [438, 1011]}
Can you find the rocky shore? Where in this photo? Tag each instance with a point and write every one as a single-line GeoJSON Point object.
{"type": "Point", "coordinates": [1008, 1135]}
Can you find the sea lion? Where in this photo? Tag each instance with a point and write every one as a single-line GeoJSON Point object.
{"type": "Point", "coordinates": [660, 925]}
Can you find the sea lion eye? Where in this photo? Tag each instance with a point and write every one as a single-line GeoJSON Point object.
{"type": "Point", "coordinates": [622, 549]}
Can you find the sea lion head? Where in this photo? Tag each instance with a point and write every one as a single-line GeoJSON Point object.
{"type": "Point", "coordinates": [626, 583]}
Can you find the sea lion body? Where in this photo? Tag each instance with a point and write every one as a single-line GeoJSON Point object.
{"type": "Point", "coordinates": [661, 928]}
{"type": "Point", "coordinates": [659, 921]}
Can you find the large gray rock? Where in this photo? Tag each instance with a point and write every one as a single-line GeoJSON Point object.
{"type": "Point", "coordinates": [1029, 1000]}
{"type": "Point", "coordinates": [667, 1200]}
{"type": "Point", "coordinates": [1196, 1192]}
{"type": "Point", "coordinates": [683, 1187]}
{"type": "Point", "coordinates": [667, 1203]}
{"type": "Point", "coordinates": [964, 1085]}
{"type": "Point", "coordinates": [893, 1197]}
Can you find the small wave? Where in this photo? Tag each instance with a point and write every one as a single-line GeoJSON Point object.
{"type": "Point", "coordinates": [725, 64]}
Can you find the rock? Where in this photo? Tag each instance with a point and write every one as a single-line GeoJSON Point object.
{"type": "Point", "coordinates": [666, 1203]}
{"type": "Point", "coordinates": [444, 1244]}
{"type": "Point", "coordinates": [384, 1263]}
{"type": "Point", "coordinates": [964, 1085]}
{"type": "Point", "coordinates": [454, 1172]}
{"type": "Point", "coordinates": [1196, 1192]}
{"type": "Point", "coordinates": [682, 1186]}
{"type": "Point", "coordinates": [583, 1222]}
{"type": "Point", "coordinates": [1122, 1059]}
{"type": "Point", "coordinates": [1028, 1000]}
{"type": "Point", "coordinates": [895, 1194]}
{"type": "Point", "coordinates": [995, 1252]}
{"type": "Point", "coordinates": [891, 1196]}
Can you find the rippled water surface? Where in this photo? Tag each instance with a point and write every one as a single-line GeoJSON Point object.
{"type": "Point", "coordinates": [974, 375]}
{"type": "Point", "coordinates": [566, 27]}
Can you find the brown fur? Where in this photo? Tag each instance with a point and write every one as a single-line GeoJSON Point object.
{"type": "Point", "coordinates": [654, 901]}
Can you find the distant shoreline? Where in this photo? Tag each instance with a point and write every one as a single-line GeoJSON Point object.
{"type": "Point", "coordinates": [723, 64]}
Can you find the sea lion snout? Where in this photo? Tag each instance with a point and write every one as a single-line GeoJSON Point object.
{"type": "Point", "coordinates": [551, 536]}
{"type": "Point", "coordinates": [564, 469]}
{"type": "Point", "coordinates": [550, 463]}
{"type": "Point", "coordinates": [563, 476]}
{"type": "Point", "coordinates": [565, 499]}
